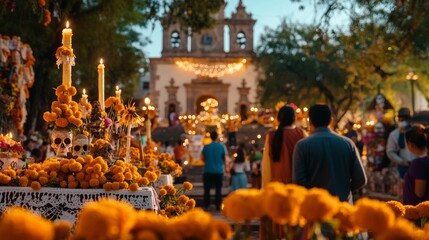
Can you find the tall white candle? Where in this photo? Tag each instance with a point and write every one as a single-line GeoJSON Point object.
{"type": "Point", "coordinates": [101, 84]}
{"type": "Point", "coordinates": [67, 42]}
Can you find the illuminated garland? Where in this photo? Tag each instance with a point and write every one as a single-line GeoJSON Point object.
{"type": "Point", "coordinates": [211, 70]}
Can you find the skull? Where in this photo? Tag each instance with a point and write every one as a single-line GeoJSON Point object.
{"type": "Point", "coordinates": [61, 141]}
{"type": "Point", "coordinates": [80, 146]}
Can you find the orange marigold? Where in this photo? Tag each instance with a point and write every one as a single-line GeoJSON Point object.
{"type": "Point", "coordinates": [187, 185]}
{"type": "Point", "coordinates": [61, 122]}
{"type": "Point", "coordinates": [35, 185]}
{"type": "Point", "coordinates": [134, 187]}
{"type": "Point", "coordinates": [71, 91]}
{"type": "Point", "coordinates": [411, 212]}
{"type": "Point", "coordinates": [396, 207]}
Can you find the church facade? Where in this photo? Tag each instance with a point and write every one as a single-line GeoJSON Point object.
{"type": "Point", "coordinates": [196, 66]}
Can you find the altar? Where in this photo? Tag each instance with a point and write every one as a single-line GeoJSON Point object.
{"type": "Point", "coordinates": [64, 204]}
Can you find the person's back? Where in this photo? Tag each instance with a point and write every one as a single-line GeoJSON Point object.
{"type": "Point", "coordinates": [327, 160]}
{"type": "Point", "coordinates": [214, 154]}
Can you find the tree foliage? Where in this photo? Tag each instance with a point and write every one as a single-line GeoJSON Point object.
{"type": "Point", "coordinates": [108, 29]}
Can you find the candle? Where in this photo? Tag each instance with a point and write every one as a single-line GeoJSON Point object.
{"type": "Point", "coordinates": [118, 92]}
{"type": "Point", "coordinates": [101, 84]}
{"type": "Point", "coordinates": [84, 97]}
{"type": "Point", "coordinates": [67, 36]}
{"type": "Point", "coordinates": [67, 63]}
{"type": "Point", "coordinates": [148, 129]}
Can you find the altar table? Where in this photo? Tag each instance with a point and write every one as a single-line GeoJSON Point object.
{"type": "Point", "coordinates": [64, 203]}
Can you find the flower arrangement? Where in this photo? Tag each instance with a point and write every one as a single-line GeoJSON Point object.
{"type": "Point", "coordinates": [174, 202]}
{"type": "Point", "coordinates": [295, 208]}
{"type": "Point", "coordinates": [64, 112]}
{"type": "Point", "coordinates": [167, 165]}
{"type": "Point", "coordinates": [82, 172]}
{"type": "Point", "coordinates": [10, 146]}
{"type": "Point", "coordinates": [113, 219]}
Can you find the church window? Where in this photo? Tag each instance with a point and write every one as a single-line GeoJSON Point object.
{"type": "Point", "coordinates": [175, 39]}
{"type": "Point", "coordinates": [241, 40]}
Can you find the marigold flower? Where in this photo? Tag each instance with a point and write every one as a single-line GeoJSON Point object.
{"type": "Point", "coordinates": [18, 223]}
{"type": "Point", "coordinates": [123, 185]}
{"type": "Point", "coordinates": [423, 209]}
{"type": "Point", "coordinates": [63, 184]}
{"type": "Point", "coordinates": [4, 179]}
{"type": "Point", "coordinates": [108, 102]}
{"type": "Point", "coordinates": [151, 176]}
{"type": "Point", "coordinates": [319, 205]}
{"type": "Point", "coordinates": [47, 116]}
{"type": "Point", "coordinates": [102, 179]}
{"type": "Point", "coordinates": [119, 107]}
{"type": "Point", "coordinates": [62, 229]}
{"type": "Point", "coordinates": [134, 187]}
{"type": "Point", "coordinates": [183, 199]}
{"type": "Point", "coordinates": [143, 181]}
{"type": "Point", "coordinates": [242, 205]}
{"type": "Point", "coordinates": [344, 215]}
{"type": "Point", "coordinates": [105, 219]}
{"type": "Point", "coordinates": [41, 3]}
{"type": "Point", "coordinates": [411, 212]}
{"type": "Point", "coordinates": [400, 230]}
{"type": "Point", "coordinates": [396, 207]}
{"type": "Point", "coordinates": [71, 91]}
{"type": "Point", "coordinates": [43, 180]}
{"type": "Point", "coordinates": [60, 90]}
{"type": "Point", "coordinates": [115, 186]}
{"type": "Point", "coordinates": [107, 186]}
{"type": "Point", "coordinates": [35, 185]}
{"type": "Point", "coordinates": [187, 185]}
{"type": "Point", "coordinates": [201, 222]}
{"type": "Point", "coordinates": [94, 183]}
{"type": "Point", "coordinates": [223, 229]}
{"type": "Point", "coordinates": [64, 99]}
{"type": "Point", "coordinates": [23, 181]}
{"type": "Point", "coordinates": [61, 122]}
{"type": "Point", "coordinates": [373, 215]}
{"type": "Point", "coordinates": [172, 191]}
{"type": "Point", "coordinates": [162, 192]}
{"type": "Point", "coordinates": [73, 184]}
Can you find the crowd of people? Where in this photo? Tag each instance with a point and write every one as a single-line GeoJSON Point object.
{"type": "Point", "coordinates": [324, 158]}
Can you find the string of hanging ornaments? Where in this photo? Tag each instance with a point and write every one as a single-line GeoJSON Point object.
{"type": "Point", "coordinates": [211, 70]}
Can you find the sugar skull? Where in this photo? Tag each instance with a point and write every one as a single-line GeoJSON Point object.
{"type": "Point", "coordinates": [80, 145]}
{"type": "Point", "coordinates": [61, 141]}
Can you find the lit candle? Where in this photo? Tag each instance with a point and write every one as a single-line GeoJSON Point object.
{"type": "Point", "coordinates": [118, 92]}
{"type": "Point", "coordinates": [101, 84]}
{"type": "Point", "coordinates": [67, 64]}
{"type": "Point", "coordinates": [84, 97]}
{"type": "Point", "coordinates": [67, 36]}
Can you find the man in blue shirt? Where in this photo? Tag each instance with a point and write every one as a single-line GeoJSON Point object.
{"type": "Point", "coordinates": [326, 159]}
{"type": "Point", "coordinates": [213, 155]}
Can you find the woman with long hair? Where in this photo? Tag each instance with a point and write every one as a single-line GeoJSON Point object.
{"type": "Point", "coordinates": [416, 187]}
{"type": "Point", "coordinates": [278, 149]}
{"type": "Point", "coordinates": [239, 167]}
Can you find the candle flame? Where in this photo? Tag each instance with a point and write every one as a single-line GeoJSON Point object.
{"type": "Point", "coordinates": [147, 100]}
{"type": "Point", "coordinates": [101, 61]}
{"type": "Point", "coordinates": [84, 91]}
{"type": "Point", "coordinates": [10, 135]}
{"type": "Point", "coordinates": [67, 24]}
{"type": "Point", "coordinates": [117, 87]}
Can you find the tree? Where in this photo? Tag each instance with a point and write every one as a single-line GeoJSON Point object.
{"type": "Point", "coordinates": [107, 29]}
{"type": "Point", "coordinates": [300, 65]}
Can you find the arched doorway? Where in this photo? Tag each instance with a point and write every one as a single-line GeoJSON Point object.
{"type": "Point", "coordinates": [201, 99]}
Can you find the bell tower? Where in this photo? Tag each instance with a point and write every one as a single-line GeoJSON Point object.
{"type": "Point", "coordinates": [240, 32]}
{"type": "Point", "coordinates": [174, 41]}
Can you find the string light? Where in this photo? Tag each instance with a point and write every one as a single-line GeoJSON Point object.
{"type": "Point", "coordinates": [211, 70]}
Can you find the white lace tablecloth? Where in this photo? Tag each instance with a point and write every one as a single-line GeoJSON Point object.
{"type": "Point", "coordinates": [64, 203]}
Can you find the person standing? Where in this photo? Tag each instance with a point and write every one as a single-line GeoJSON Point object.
{"type": "Point", "coordinates": [326, 159]}
{"type": "Point", "coordinates": [240, 167]}
{"type": "Point", "coordinates": [396, 148]}
{"type": "Point", "coordinates": [213, 156]}
{"type": "Point", "coordinates": [179, 152]}
{"type": "Point", "coordinates": [416, 187]}
{"type": "Point", "coordinates": [279, 146]}
{"type": "Point", "coordinates": [255, 161]}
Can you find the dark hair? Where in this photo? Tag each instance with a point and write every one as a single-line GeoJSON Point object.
{"type": "Point", "coordinates": [213, 135]}
{"type": "Point", "coordinates": [286, 117]}
{"type": "Point", "coordinates": [320, 115]}
{"type": "Point", "coordinates": [36, 153]}
{"type": "Point", "coordinates": [417, 135]}
{"type": "Point", "coordinates": [240, 155]}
